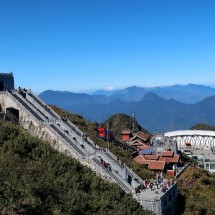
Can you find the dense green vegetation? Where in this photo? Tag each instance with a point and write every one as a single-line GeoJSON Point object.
{"type": "Point", "coordinates": [120, 122]}
{"type": "Point", "coordinates": [35, 179]}
{"type": "Point", "coordinates": [196, 192]}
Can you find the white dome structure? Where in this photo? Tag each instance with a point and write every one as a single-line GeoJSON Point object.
{"type": "Point", "coordinates": [194, 137]}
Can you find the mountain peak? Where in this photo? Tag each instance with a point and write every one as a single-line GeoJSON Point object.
{"type": "Point", "coordinates": [151, 96]}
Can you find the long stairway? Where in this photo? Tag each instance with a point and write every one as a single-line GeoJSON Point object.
{"type": "Point", "coordinates": [74, 137]}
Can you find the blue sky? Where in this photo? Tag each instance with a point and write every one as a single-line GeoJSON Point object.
{"type": "Point", "coordinates": [77, 45]}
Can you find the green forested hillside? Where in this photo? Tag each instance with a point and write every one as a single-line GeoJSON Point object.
{"type": "Point", "coordinates": [119, 122]}
{"type": "Point", "coordinates": [197, 192]}
{"type": "Point", "coordinates": [35, 179]}
{"type": "Point", "coordinates": [203, 127]}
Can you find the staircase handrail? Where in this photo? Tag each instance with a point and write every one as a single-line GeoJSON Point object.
{"type": "Point", "coordinates": [32, 106]}
{"type": "Point", "coordinates": [36, 96]}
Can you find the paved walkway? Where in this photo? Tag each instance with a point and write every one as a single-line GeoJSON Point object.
{"type": "Point", "coordinates": [155, 193]}
{"type": "Point", "coordinates": [157, 190]}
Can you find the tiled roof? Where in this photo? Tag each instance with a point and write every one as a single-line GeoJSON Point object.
{"type": "Point", "coordinates": [142, 133]}
{"type": "Point", "coordinates": [157, 162]}
{"type": "Point", "coordinates": [157, 165]}
{"type": "Point", "coordinates": [173, 159]}
{"type": "Point", "coordinates": [143, 147]}
{"type": "Point", "coordinates": [151, 157]}
{"type": "Point", "coordinates": [141, 160]}
{"type": "Point", "coordinates": [141, 136]}
{"type": "Point", "coordinates": [145, 137]}
{"type": "Point", "coordinates": [167, 153]}
{"type": "Point", "coordinates": [137, 143]}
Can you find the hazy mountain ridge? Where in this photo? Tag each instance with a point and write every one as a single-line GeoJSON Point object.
{"type": "Point", "coordinates": [152, 112]}
{"type": "Point", "coordinates": [66, 98]}
{"type": "Point", "coordinates": [189, 94]}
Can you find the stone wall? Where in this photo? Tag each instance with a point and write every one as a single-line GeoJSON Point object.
{"type": "Point", "coordinates": [30, 123]}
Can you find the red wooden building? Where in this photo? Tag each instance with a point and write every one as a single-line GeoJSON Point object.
{"type": "Point", "coordinates": [126, 135]}
{"type": "Point", "coordinates": [105, 133]}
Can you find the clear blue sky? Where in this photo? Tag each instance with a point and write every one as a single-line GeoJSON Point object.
{"type": "Point", "coordinates": [76, 45]}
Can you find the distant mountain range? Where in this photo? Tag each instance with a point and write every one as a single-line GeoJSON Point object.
{"type": "Point", "coordinates": [155, 108]}
{"type": "Point", "coordinates": [189, 94]}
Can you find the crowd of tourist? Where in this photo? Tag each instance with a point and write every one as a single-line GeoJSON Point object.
{"type": "Point", "coordinates": [159, 182]}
